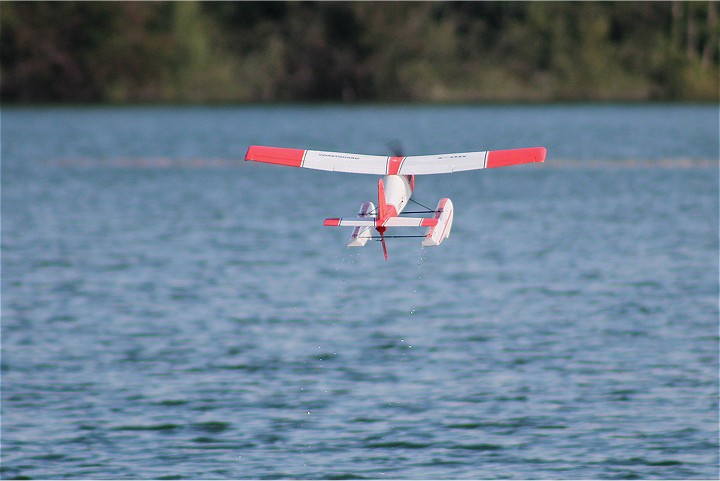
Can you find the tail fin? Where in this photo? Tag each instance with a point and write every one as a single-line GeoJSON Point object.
{"type": "Point", "coordinates": [382, 215]}
{"type": "Point", "coordinates": [382, 205]}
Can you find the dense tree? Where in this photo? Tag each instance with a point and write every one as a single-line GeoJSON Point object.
{"type": "Point", "coordinates": [358, 51]}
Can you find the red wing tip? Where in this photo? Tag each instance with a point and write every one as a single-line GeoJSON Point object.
{"type": "Point", "coordinates": [429, 222]}
{"type": "Point", "coordinates": [248, 153]}
{"type": "Point", "coordinates": [542, 152]}
{"type": "Point", "coordinates": [332, 222]}
{"type": "Point", "coordinates": [254, 151]}
{"type": "Point", "coordinates": [533, 154]}
{"type": "Point", "coordinates": [275, 155]}
{"type": "Point", "coordinates": [502, 158]}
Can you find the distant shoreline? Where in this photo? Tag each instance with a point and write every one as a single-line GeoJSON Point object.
{"type": "Point", "coordinates": [350, 104]}
{"type": "Point", "coordinates": [439, 52]}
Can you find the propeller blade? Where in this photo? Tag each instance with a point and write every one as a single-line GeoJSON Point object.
{"type": "Point", "coordinates": [395, 147]}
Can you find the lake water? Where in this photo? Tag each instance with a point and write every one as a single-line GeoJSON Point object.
{"type": "Point", "coordinates": [170, 312]}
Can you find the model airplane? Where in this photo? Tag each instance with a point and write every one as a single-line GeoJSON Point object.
{"type": "Point", "coordinates": [397, 185]}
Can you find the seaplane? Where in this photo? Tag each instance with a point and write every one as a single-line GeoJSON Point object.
{"type": "Point", "coordinates": [396, 187]}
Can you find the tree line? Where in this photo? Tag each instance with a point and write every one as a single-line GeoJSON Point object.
{"type": "Point", "coordinates": [357, 51]}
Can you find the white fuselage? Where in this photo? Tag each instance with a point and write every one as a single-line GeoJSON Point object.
{"type": "Point", "coordinates": [397, 191]}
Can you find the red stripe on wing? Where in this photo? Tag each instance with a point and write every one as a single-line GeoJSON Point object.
{"type": "Point", "coordinates": [501, 158]}
{"type": "Point", "coordinates": [275, 155]}
{"type": "Point", "coordinates": [394, 164]}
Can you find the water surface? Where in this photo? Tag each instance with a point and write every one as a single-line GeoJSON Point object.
{"type": "Point", "coordinates": [169, 311]}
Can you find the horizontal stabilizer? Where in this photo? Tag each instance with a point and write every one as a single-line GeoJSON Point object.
{"type": "Point", "coordinates": [340, 222]}
{"type": "Point", "coordinates": [389, 222]}
{"type": "Point", "coordinates": [409, 222]}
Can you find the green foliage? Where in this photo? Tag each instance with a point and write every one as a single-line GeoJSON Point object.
{"type": "Point", "coordinates": [358, 51]}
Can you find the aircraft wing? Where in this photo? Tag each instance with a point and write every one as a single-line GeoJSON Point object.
{"type": "Point", "coordinates": [383, 165]}
{"type": "Point", "coordinates": [315, 159]}
{"type": "Point", "coordinates": [448, 163]}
